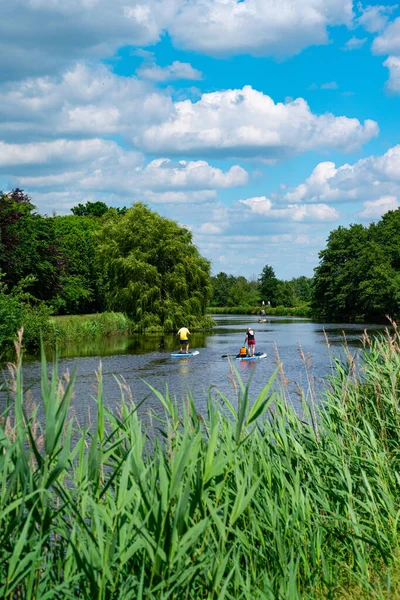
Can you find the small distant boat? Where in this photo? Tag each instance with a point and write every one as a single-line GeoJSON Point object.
{"type": "Point", "coordinates": [184, 354]}
{"type": "Point", "coordinates": [257, 356]}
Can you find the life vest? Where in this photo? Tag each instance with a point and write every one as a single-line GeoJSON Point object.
{"type": "Point", "coordinates": [243, 351]}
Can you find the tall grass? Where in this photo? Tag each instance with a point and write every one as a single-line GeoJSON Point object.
{"type": "Point", "coordinates": [249, 501]}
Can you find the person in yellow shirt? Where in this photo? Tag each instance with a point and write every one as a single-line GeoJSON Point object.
{"type": "Point", "coordinates": [183, 335]}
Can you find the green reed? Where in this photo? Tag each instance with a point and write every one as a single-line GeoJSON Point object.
{"type": "Point", "coordinates": [249, 501]}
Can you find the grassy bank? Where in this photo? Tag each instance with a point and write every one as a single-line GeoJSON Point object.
{"type": "Point", "coordinates": [71, 328]}
{"type": "Point", "coordinates": [249, 501]}
{"type": "Point", "coordinates": [277, 311]}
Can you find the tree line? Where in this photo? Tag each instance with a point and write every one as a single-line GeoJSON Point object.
{"type": "Point", "coordinates": [228, 290]}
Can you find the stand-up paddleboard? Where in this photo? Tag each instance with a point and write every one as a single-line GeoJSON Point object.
{"type": "Point", "coordinates": [257, 356]}
{"type": "Point", "coordinates": [184, 354]}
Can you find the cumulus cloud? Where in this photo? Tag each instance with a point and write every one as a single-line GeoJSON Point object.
{"type": "Point", "coordinates": [393, 64]}
{"type": "Point", "coordinates": [44, 36]}
{"type": "Point", "coordinates": [92, 101]}
{"type": "Point", "coordinates": [389, 40]}
{"type": "Point", "coordinates": [163, 174]}
{"type": "Point", "coordinates": [292, 212]}
{"type": "Point", "coordinates": [100, 166]}
{"type": "Point", "coordinates": [374, 18]}
{"type": "Point", "coordinates": [177, 70]}
{"type": "Point", "coordinates": [366, 180]}
{"type": "Point", "coordinates": [247, 122]}
{"type": "Point", "coordinates": [93, 29]}
{"type": "Point", "coordinates": [374, 209]}
{"type": "Point", "coordinates": [85, 100]}
{"type": "Point", "coordinates": [354, 43]}
{"type": "Point", "coordinates": [259, 27]}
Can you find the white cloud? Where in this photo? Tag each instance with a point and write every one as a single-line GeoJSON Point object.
{"type": "Point", "coordinates": [193, 197]}
{"type": "Point", "coordinates": [374, 18]}
{"type": "Point", "coordinates": [393, 64]}
{"type": "Point", "coordinates": [260, 27]}
{"type": "Point", "coordinates": [389, 41]}
{"type": "Point", "coordinates": [163, 174]}
{"type": "Point", "coordinates": [100, 166]}
{"type": "Point", "coordinates": [248, 123]}
{"type": "Point", "coordinates": [177, 70]}
{"type": "Point", "coordinates": [210, 228]}
{"type": "Point", "coordinates": [354, 43]}
{"type": "Point", "coordinates": [331, 85]}
{"type": "Point", "coordinates": [376, 208]}
{"type": "Point", "coordinates": [42, 36]}
{"type": "Point", "coordinates": [85, 100]}
{"type": "Point", "coordinates": [292, 212]}
{"type": "Point", "coordinates": [366, 180]}
{"type": "Point", "coordinates": [57, 152]}
{"type": "Point", "coordinates": [39, 37]}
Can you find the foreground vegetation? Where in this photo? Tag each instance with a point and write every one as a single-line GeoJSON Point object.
{"type": "Point", "coordinates": [249, 501]}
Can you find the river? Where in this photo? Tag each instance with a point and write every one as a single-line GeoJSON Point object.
{"type": "Point", "coordinates": [146, 358]}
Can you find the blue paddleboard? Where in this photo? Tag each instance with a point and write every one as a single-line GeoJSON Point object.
{"type": "Point", "coordinates": [184, 354]}
{"type": "Point", "coordinates": [257, 356]}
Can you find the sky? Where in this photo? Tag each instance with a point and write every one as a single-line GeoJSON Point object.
{"type": "Point", "coordinates": [260, 125]}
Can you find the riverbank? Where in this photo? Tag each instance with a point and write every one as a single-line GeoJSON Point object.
{"type": "Point", "coordinates": [298, 507]}
{"type": "Point", "coordinates": [277, 311]}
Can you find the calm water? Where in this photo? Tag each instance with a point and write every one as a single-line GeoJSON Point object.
{"type": "Point", "coordinates": [140, 359]}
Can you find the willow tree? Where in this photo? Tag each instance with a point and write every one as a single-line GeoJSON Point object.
{"type": "Point", "coordinates": [155, 273]}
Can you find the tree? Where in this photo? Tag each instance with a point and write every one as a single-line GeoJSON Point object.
{"type": "Point", "coordinates": [156, 274]}
{"type": "Point", "coordinates": [90, 209]}
{"type": "Point", "coordinates": [95, 209]}
{"type": "Point", "coordinates": [284, 295]}
{"type": "Point", "coordinates": [359, 272]}
{"type": "Point", "coordinates": [268, 285]}
{"type": "Point", "coordinates": [221, 285]}
{"type": "Point", "coordinates": [28, 246]}
{"type": "Point", "coordinates": [302, 287]}
{"type": "Point", "coordinates": [83, 286]}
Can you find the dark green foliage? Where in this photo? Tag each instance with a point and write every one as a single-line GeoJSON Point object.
{"type": "Point", "coordinates": [268, 285]}
{"type": "Point", "coordinates": [155, 273]}
{"type": "Point", "coordinates": [28, 247]}
{"type": "Point", "coordinates": [359, 272]}
{"type": "Point", "coordinates": [83, 287]}
{"type": "Point", "coordinates": [302, 287]}
{"type": "Point", "coordinates": [19, 308]}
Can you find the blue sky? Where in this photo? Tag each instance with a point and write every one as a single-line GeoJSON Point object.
{"type": "Point", "coordinates": [260, 125]}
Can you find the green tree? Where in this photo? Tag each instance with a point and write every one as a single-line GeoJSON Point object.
{"type": "Point", "coordinates": [221, 285]}
{"type": "Point", "coordinates": [83, 286]}
{"type": "Point", "coordinates": [156, 274]}
{"type": "Point", "coordinates": [28, 246]}
{"type": "Point", "coordinates": [90, 209]}
{"type": "Point", "coordinates": [302, 287]}
{"type": "Point", "coordinates": [95, 209]}
{"type": "Point", "coordinates": [284, 295]}
{"type": "Point", "coordinates": [359, 272]}
{"type": "Point", "coordinates": [268, 285]}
